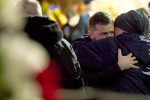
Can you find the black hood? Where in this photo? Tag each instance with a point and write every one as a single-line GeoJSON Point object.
{"type": "Point", "coordinates": [134, 21]}
{"type": "Point", "coordinates": [43, 30]}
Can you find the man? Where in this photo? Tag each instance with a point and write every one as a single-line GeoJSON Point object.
{"type": "Point", "coordinates": [48, 33]}
{"type": "Point", "coordinates": [99, 70]}
{"type": "Point", "coordinates": [100, 26]}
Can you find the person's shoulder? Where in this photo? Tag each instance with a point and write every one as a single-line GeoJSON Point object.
{"type": "Point", "coordinates": [85, 37]}
{"type": "Point", "coordinates": [106, 43]}
{"type": "Point", "coordinates": [106, 40]}
{"type": "Point", "coordinates": [81, 41]}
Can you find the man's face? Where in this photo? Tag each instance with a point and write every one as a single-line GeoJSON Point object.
{"type": "Point", "coordinates": [102, 31]}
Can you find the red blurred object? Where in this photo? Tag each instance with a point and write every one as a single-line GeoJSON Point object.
{"type": "Point", "coordinates": [50, 81]}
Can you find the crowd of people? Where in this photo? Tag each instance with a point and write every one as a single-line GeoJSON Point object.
{"type": "Point", "coordinates": [109, 55]}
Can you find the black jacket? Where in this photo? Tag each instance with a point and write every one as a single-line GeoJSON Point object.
{"type": "Point", "coordinates": [48, 33]}
{"type": "Point", "coordinates": [99, 70]}
{"type": "Point", "coordinates": [135, 24]}
{"type": "Point", "coordinates": [102, 54]}
{"type": "Point", "coordinates": [135, 80]}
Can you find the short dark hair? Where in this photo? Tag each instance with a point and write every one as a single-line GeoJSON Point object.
{"type": "Point", "coordinates": [99, 18]}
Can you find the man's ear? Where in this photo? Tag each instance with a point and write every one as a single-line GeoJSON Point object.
{"type": "Point", "coordinates": [90, 34]}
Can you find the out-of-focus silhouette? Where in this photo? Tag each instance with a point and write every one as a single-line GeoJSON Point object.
{"type": "Point", "coordinates": [75, 27]}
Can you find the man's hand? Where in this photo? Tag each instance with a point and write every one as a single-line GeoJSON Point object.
{"type": "Point", "coordinates": [126, 62]}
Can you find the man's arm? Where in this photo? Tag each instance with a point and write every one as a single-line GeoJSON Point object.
{"type": "Point", "coordinates": [99, 55]}
{"type": "Point", "coordinates": [88, 52]}
{"type": "Point", "coordinates": [108, 76]}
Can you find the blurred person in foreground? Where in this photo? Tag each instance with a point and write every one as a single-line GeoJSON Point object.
{"type": "Point", "coordinates": [75, 27]}
{"type": "Point", "coordinates": [47, 32]}
{"type": "Point", "coordinates": [100, 70]}
{"type": "Point", "coordinates": [21, 58]}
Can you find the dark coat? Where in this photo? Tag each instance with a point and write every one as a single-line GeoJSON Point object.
{"type": "Point", "coordinates": [135, 25]}
{"type": "Point", "coordinates": [102, 54]}
{"type": "Point", "coordinates": [99, 69]}
{"type": "Point", "coordinates": [135, 80]}
{"type": "Point", "coordinates": [48, 33]}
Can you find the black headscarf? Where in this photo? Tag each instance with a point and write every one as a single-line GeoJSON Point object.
{"type": "Point", "coordinates": [134, 21]}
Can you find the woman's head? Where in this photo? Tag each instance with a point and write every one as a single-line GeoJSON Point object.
{"type": "Point", "coordinates": [134, 21]}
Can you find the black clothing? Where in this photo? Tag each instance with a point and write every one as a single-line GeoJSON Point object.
{"type": "Point", "coordinates": [135, 80]}
{"type": "Point", "coordinates": [97, 71]}
{"type": "Point", "coordinates": [103, 79]}
{"type": "Point", "coordinates": [135, 21]}
{"type": "Point", "coordinates": [48, 33]}
{"type": "Point", "coordinates": [103, 53]}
